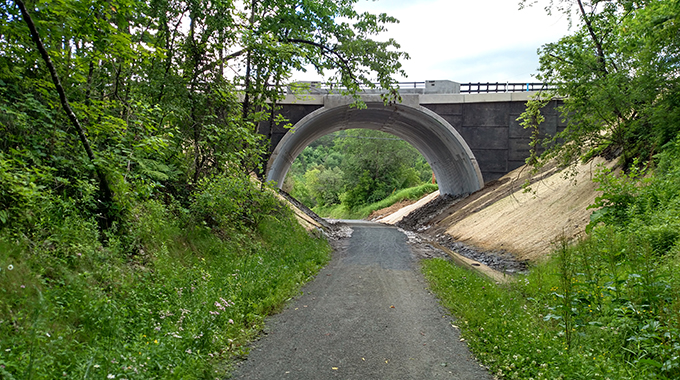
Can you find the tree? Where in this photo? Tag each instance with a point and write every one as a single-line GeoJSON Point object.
{"type": "Point", "coordinates": [285, 35]}
{"type": "Point", "coordinates": [325, 185]}
{"type": "Point", "coordinates": [355, 167]}
{"type": "Point", "coordinates": [376, 164]}
{"type": "Point", "coordinates": [167, 92]}
{"type": "Point", "coordinates": [617, 74]}
{"type": "Point", "coordinates": [101, 176]}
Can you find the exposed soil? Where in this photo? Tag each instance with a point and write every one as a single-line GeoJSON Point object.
{"type": "Point", "coordinates": [505, 218]}
{"type": "Point", "coordinates": [402, 212]}
{"type": "Point", "coordinates": [504, 226]}
{"type": "Point", "coordinates": [375, 215]}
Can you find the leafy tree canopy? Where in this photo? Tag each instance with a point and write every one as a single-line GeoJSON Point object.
{"type": "Point", "coordinates": [355, 167]}
{"type": "Point", "coordinates": [167, 92]}
{"type": "Point", "coordinates": [618, 75]}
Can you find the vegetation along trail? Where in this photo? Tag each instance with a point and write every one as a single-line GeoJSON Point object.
{"type": "Point", "coordinates": [368, 315]}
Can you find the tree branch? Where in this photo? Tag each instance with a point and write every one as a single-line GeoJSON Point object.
{"type": "Point", "coordinates": [328, 51]}
{"type": "Point", "coordinates": [106, 190]}
{"type": "Point", "coordinates": [222, 61]}
{"type": "Point", "coordinates": [598, 44]}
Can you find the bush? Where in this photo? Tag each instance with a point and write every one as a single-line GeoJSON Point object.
{"type": "Point", "coordinates": [232, 203]}
{"type": "Point", "coordinates": [77, 304]}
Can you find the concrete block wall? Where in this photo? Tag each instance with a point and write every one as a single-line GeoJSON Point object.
{"type": "Point", "coordinates": [293, 113]}
{"type": "Point", "coordinates": [489, 127]}
{"type": "Point", "coordinates": [493, 133]}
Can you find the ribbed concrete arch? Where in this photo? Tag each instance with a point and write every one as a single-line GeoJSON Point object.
{"type": "Point", "coordinates": [452, 161]}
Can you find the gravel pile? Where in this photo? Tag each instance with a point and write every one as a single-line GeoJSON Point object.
{"type": "Point", "coordinates": [499, 260]}
{"type": "Point", "coordinates": [418, 219]}
{"type": "Point", "coordinates": [338, 230]}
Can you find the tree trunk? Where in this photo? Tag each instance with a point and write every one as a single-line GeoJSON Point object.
{"type": "Point", "coordinates": [107, 197]}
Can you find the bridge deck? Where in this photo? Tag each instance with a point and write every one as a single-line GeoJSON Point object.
{"type": "Point", "coordinates": [319, 99]}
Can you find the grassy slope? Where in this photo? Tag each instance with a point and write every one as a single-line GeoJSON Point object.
{"type": "Point", "coordinates": [179, 309]}
{"type": "Point", "coordinates": [606, 307]}
{"type": "Point", "coordinates": [341, 212]}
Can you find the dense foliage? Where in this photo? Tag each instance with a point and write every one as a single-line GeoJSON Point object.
{"type": "Point", "coordinates": [153, 85]}
{"type": "Point", "coordinates": [179, 308]}
{"type": "Point", "coordinates": [617, 73]}
{"type": "Point", "coordinates": [127, 157]}
{"type": "Point", "coordinates": [353, 168]}
{"type": "Point", "coordinates": [608, 306]}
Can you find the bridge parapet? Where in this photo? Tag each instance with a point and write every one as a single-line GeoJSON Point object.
{"type": "Point", "coordinates": [426, 87]}
{"type": "Point", "coordinates": [412, 99]}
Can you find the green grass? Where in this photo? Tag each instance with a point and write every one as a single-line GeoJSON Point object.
{"type": "Point", "coordinates": [592, 311]}
{"type": "Point", "coordinates": [606, 307]}
{"type": "Point", "coordinates": [341, 211]}
{"type": "Point", "coordinates": [180, 308]}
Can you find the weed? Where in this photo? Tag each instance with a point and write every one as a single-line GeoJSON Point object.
{"type": "Point", "coordinates": [180, 304]}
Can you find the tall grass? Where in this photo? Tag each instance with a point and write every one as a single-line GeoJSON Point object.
{"type": "Point", "coordinates": [607, 307]}
{"type": "Point", "coordinates": [179, 307]}
{"type": "Point", "coordinates": [573, 317]}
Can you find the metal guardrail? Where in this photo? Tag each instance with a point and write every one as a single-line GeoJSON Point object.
{"type": "Point", "coordinates": [479, 87]}
{"type": "Point", "coordinates": [326, 86]}
{"type": "Point", "coordinates": [406, 85]}
{"type": "Point", "coordinates": [465, 88]}
{"type": "Point", "coordinates": [485, 87]}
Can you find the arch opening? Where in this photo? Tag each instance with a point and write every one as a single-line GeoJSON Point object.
{"type": "Point", "coordinates": [449, 156]}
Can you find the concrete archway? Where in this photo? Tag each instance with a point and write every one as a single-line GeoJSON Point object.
{"type": "Point", "coordinates": [449, 156]}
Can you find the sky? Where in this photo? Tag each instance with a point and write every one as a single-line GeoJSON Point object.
{"type": "Point", "coordinates": [466, 40]}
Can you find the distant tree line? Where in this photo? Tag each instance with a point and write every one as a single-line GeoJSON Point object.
{"type": "Point", "coordinates": [355, 167]}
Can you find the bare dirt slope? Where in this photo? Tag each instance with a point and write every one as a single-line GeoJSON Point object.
{"type": "Point", "coordinates": [399, 213]}
{"type": "Point", "coordinates": [502, 217]}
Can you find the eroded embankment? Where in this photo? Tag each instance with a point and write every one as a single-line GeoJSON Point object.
{"type": "Point", "coordinates": [506, 226]}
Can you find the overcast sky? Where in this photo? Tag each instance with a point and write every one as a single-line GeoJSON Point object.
{"type": "Point", "coordinates": [467, 40]}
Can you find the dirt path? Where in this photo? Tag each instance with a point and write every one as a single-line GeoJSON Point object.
{"type": "Point", "coordinates": [367, 315]}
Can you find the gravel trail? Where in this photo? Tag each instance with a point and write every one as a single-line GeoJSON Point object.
{"type": "Point", "coordinates": [367, 315]}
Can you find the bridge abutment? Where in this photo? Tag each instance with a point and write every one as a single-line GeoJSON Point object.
{"type": "Point", "coordinates": [492, 142]}
{"type": "Point", "coordinates": [493, 133]}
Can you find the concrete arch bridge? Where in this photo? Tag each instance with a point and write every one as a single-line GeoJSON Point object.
{"type": "Point", "coordinates": [467, 138]}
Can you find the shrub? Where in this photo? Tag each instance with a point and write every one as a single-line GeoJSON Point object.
{"type": "Point", "coordinates": [232, 203]}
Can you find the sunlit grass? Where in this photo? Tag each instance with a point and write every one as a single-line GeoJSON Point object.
{"type": "Point", "coordinates": [181, 307]}
{"type": "Point", "coordinates": [341, 212]}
